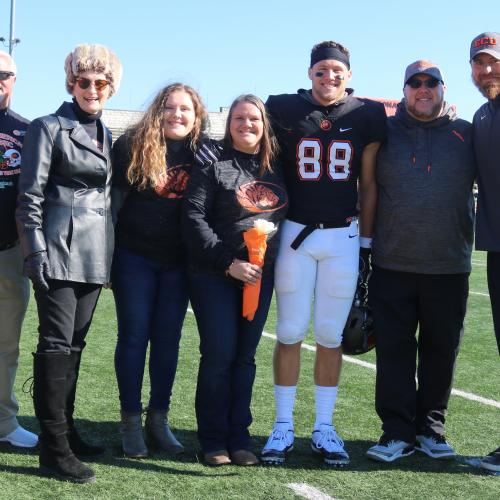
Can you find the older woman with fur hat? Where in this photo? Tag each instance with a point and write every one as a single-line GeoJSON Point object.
{"type": "Point", "coordinates": [66, 232]}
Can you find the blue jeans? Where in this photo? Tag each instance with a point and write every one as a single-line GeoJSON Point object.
{"type": "Point", "coordinates": [150, 306]}
{"type": "Point", "coordinates": [227, 367]}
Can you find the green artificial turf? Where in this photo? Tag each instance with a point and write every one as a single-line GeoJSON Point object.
{"type": "Point", "coordinates": [472, 428]}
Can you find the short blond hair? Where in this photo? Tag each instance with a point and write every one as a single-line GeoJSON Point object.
{"type": "Point", "coordinates": [96, 58]}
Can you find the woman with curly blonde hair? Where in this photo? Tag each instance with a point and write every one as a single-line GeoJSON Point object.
{"type": "Point", "coordinates": [153, 162]}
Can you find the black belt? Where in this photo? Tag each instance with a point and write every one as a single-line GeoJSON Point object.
{"type": "Point", "coordinates": [309, 228]}
{"type": "Point", "coordinates": [6, 246]}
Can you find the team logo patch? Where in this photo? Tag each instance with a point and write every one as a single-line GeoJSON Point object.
{"type": "Point", "coordinates": [325, 125]}
{"type": "Point", "coordinates": [173, 183]}
{"type": "Point", "coordinates": [259, 196]}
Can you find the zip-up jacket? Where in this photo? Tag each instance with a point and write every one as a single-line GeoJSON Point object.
{"type": "Point", "coordinates": [222, 201]}
{"type": "Point", "coordinates": [487, 148]}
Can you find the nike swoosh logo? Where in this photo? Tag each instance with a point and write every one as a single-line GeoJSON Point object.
{"type": "Point", "coordinates": [354, 236]}
{"type": "Point", "coordinates": [344, 129]}
{"type": "Point", "coordinates": [483, 117]}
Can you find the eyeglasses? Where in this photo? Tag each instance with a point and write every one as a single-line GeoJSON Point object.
{"type": "Point", "coordinates": [415, 83]}
{"type": "Point", "coordinates": [85, 83]}
{"type": "Point", "coordinates": [5, 75]}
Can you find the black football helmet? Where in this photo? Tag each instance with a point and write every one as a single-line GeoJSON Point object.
{"type": "Point", "coordinates": [359, 334]}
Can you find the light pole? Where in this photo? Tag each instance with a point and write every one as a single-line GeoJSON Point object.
{"type": "Point", "coordinates": [12, 41]}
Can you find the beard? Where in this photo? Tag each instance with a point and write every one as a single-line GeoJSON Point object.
{"type": "Point", "coordinates": [489, 89]}
{"type": "Point", "coordinates": [430, 114]}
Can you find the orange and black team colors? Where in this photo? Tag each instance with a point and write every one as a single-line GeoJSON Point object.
{"type": "Point", "coordinates": [322, 148]}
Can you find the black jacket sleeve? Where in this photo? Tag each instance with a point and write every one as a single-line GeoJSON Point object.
{"type": "Point", "coordinates": [203, 244]}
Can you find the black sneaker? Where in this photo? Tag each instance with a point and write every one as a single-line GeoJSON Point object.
{"type": "Point", "coordinates": [491, 462]}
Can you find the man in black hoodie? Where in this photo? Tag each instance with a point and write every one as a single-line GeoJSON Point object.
{"type": "Point", "coordinates": [485, 64]}
{"type": "Point", "coordinates": [421, 260]}
{"type": "Point", "coordinates": [14, 290]}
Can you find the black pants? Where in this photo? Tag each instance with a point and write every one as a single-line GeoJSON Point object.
{"type": "Point", "coordinates": [65, 312]}
{"type": "Point", "coordinates": [401, 302]}
{"type": "Point", "coordinates": [493, 270]}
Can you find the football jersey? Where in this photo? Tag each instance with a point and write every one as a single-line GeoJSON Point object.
{"type": "Point", "coordinates": [321, 150]}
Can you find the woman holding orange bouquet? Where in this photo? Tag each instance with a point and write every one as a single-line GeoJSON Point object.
{"type": "Point", "coordinates": [223, 202]}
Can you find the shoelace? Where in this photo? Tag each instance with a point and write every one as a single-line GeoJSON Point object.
{"type": "Point", "coordinates": [278, 437]}
{"type": "Point", "coordinates": [330, 437]}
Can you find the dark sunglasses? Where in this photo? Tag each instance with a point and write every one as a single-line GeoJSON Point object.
{"type": "Point", "coordinates": [85, 83]}
{"type": "Point", "coordinates": [415, 83]}
{"type": "Point", "coordinates": [5, 75]}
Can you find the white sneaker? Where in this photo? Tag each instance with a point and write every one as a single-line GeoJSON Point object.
{"type": "Point", "coordinates": [388, 450]}
{"type": "Point", "coordinates": [21, 437]}
{"type": "Point", "coordinates": [326, 442]}
{"type": "Point", "coordinates": [435, 447]}
{"type": "Point", "coordinates": [280, 442]}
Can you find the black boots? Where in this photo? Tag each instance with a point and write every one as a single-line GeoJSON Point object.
{"type": "Point", "coordinates": [76, 443]}
{"type": "Point", "coordinates": [49, 398]}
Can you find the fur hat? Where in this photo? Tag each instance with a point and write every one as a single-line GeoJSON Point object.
{"type": "Point", "coordinates": [97, 58]}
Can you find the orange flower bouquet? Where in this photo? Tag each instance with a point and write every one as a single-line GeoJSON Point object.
{"type": "Point", "coordinates": [255, 241]}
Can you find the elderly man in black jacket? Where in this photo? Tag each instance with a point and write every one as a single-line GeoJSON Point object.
{"type": "Point", "coordinates": [65, 227]}
{"type": "Point", "coordinates": [14, 290]}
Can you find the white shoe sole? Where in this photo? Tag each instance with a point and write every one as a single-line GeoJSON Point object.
{"type": "Point", "coordinates": [389, 458]}
{"type": "Point", "coordinates": [19, 444]}
{"type": "Point", "coordinates": [437, 456]}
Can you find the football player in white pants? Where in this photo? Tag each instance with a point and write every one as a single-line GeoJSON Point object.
{"type": "Point", "coordinates": [329, 139]}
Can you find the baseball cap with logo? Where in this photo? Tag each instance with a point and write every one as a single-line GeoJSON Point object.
{"type": "Point", "coordinates": [423, 67]}
{"type": "Point", "coordinates": [488, 42]}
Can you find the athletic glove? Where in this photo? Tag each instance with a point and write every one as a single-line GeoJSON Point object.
{"type": "Point", "coordinates": [208, 153]}
{"type": "Point", "coordinates": [35, 268]}
{"type": "Point", "coordinates": [364, 261]}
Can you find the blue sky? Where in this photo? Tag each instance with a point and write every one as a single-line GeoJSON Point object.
{"type": "Point", "coordinates": [225, 48]}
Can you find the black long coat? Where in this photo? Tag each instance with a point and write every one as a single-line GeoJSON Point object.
{"type": "Point", "coordinates": [64, 204]}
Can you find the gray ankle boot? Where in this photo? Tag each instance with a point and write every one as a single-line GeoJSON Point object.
{"type": "Point", "coordinates": [132, 438]}
{"type": "Point", "coordinates": [158, 432]}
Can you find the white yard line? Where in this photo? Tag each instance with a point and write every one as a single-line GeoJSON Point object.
{"type": "Point", "coordinates": [355, 361]}
{"type": "Point", "coordinates": [480, 293]}
{"type": "Point", "coordinates": [456, 392]}
{"type": "Point", "coordinates": [310, 492]}
{"type": "Point", "coordinates": [480, 263]}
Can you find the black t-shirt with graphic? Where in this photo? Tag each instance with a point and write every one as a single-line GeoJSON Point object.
{"type": "Point", "coordinates": [12, 131]}
{"type": "Point", "coordinates": [222, 201]}
{"type": "Point", "coordinates": [321, 150]}
{"type": "Point", "coordinates": [149, 220]}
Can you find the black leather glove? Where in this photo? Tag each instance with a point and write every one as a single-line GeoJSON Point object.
{"type": "Point", "coordinates": [35, 268]}
{"type": "Point", "coordinates": [364, 266]}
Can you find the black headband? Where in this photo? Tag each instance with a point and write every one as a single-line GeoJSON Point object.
{"type": "Point", "coordinates": [329, 53]}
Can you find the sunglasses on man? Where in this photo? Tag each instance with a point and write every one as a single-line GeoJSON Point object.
{"type": "Point", "coordinates": [85, 83]}
{"type": "Point", "coordinates": [5, 75]}
{"type": "Point", "coordinates": [416, 83]}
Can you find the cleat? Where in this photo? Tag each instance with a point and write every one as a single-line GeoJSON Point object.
{"type": "Point", "coordinates": [280, 442]}
{"type": "Point", "coordinates": [389, 450]}
{"type": "Point", "coordinates": [328, 444]}
{"type": "Point", "coordinates": [435, 447]}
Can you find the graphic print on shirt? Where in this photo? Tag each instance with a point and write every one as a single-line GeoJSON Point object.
{"type": "Point", "coordinates": [10, 158]}
{"type": "Point", "coordinates": [260, 196]}
{"type": "Point", "coordinates": [173, 182]}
